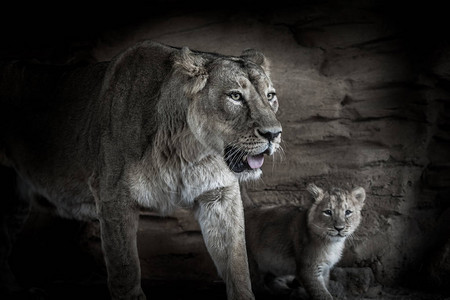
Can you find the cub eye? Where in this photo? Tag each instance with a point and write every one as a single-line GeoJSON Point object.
{"type": "Point", "coordinates": [271, 96]}
{"type": "Point", "coordinates": [236, 96]}
{"type": "Point", "coordinates": [348, 212]}
{"type": "Point", "coordinates": [327, 212]}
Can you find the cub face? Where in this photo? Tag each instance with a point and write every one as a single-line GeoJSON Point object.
{"type": "Point", "coordinates": [335, 214]}
{"type": "Point", "coordinates": [232, 110]}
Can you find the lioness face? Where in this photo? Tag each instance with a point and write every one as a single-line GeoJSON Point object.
{"type": "Point", "coordinates": [235, 114]}
{"type": "Point", "coordinates": [336, 214]}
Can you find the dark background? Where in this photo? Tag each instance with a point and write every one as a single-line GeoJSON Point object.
{"type": "Point", "coordinates": [364, 99]}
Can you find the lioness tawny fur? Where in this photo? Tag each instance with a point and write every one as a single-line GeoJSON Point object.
{"type": "Point", "coordinates": [159, 127]}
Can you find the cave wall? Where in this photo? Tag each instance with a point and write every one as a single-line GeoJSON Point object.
{"type": "Point", "coordinates": [364, 101]}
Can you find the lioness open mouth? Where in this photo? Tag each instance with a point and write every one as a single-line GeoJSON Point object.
{"type": "Point", "coordinates": [239, 161]}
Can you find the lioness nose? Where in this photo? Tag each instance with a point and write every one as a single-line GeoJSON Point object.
{"type": "Point", "coordinates": [269, 134]}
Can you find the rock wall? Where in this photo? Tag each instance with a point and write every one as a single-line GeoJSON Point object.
{"type": "Point", "coordinates": [364, 101]}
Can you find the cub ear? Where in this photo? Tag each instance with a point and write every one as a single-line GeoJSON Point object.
{"type": "Point", "coordinates": [316, 191]}
{"type": "Point", "coordinates": [359, 194]}
{"type": "Point", "coordinates": [258, 58]}
{"type": "Point", "coordinates": [193, 65]}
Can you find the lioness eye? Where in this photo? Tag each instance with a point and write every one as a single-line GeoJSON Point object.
{"type": "Point", "coordinates": [327, 212]}
{"type": "Point", "coordinates": [348, 212]}
{"type": "Point", "coordinates": [271, 96]}
{"type": "Point", "coordinates": [236, 96]}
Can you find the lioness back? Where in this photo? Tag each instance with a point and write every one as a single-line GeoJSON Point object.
{"type": "Point", "coordinates": [52, 119]}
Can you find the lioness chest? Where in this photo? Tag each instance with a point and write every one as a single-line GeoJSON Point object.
{"type": "Point", "coordinates": [176, 184]}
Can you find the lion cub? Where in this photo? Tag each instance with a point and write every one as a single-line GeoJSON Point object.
{"type": "Point", "coordinates": [283, 241]}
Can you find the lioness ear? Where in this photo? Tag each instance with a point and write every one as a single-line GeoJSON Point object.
{"type": "Point", "coordinates": [359, 194]}
{"type": "Point", "coordinates": [316, 191]}
{"type": "Point", "coordinates": [258, 58]}
{"type": "Point", "coordinates": [192, 65]}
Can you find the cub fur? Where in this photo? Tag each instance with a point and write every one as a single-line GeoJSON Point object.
{"type": "Point", "coordinates": [285, 241]}
{"type": "Point", "coordinates": [159, 127]}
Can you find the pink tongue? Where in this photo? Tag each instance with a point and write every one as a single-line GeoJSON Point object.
{"type": "Point", "coordinates": [255, 162]}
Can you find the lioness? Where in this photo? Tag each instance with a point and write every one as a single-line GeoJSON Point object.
{"type": "Point", "coordinates": [158, 127]}
{"type": "Point", "coordinates": [285, 241]}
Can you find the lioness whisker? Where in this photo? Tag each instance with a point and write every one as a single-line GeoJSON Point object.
{"type": "Point", "coordinates": [233, 153]}
{"type": "Point", "coordinates": [237, 158]}
{"type": "Point", "coordinates": [232, 161]}
{"type": "Point", "coordinates": [273, 163]}
{"type": "Point", "coordinates": [281, 152]}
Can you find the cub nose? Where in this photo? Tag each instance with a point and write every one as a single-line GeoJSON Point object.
{"type": "Point", "coordinates": [269, 134]}
{"type": "Point", "coordinates": [339, 227]}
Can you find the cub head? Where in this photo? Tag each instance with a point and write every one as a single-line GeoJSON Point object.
{"type": "Point", "coordinates": [335, 214]}
{"type": "Point", "coordinates": [232, 106]}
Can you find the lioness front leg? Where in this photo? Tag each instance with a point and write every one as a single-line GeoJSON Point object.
{"type": "Point", "coordinates": [221, 218]}
{"type": "Point", "coordinates": [119, 220]}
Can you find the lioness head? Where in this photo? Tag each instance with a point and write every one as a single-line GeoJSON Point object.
{"type": "Point", "coordinates": [232, 107]}
{"type": "Point", "coordinates": [335, 214]}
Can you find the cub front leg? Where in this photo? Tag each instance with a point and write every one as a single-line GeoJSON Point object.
{"type": "Point", "coordinates": [221, 217]}
{"type": "Point", "coordinates": [119, 220]}
{"type": "Point", "coordinates": [315, 284]}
